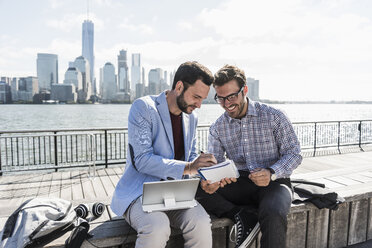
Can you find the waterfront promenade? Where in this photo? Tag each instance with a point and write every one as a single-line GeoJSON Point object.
{"type": "Point", "coordinates": [348, 174]}
{"type": "Point", "coordinates": [55, 149]}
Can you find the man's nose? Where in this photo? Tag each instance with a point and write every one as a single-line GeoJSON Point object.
{"type": "Point", "coordinates": [226, 103]}
{"type": "Point", "coordinates": [198, 103]}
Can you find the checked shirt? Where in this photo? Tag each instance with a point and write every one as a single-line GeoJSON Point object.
{"type": "Point", "coordinates": [263, 138]}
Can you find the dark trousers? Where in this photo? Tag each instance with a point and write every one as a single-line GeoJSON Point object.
{"type": "Point", "coordinates": [272, 203]}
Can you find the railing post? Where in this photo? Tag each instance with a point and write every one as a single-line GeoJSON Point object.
{"type": "Point", "coordinates": [17, 148]}
{"type": "Point", "coordinates": [11, 150]}
{"type": "Point", "coordinates": [314, 139]}
{"type": "Point", "coordinates": [106, 150]}
{"type": "Point", "coordinates": [55, 152]}
{"type": "Point", "coordinates": [360, 135]}
{"type": "Point", "coordinates": [1, 172]}
{"type": "Point", "coordinates": [338, 137]}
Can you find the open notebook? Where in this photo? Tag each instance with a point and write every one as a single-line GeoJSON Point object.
{"type": "Point", "coordinates": [169, 195]}
{"type": "Point", "coordinates": [219, 171]}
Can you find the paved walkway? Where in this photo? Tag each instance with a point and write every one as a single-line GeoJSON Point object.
{"type": "Point", "coordinates": [350, 172]}
{"type": "Point", "coordinates": [335, 171]}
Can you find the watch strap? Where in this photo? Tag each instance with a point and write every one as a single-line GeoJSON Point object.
{"type": "Point", "coordinates": [273, 176]}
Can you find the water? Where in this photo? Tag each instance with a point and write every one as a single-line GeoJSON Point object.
{"type": "Point", "coordinates": [29, 116]}
{"type": "Point", "coordinates": [303, 112]}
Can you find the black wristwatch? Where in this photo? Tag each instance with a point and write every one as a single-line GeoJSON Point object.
{"type": "Point", "coordinates": [273, 176]}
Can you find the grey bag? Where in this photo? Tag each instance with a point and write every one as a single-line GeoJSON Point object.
{"type": "Point", "coordinates": [37, 221]}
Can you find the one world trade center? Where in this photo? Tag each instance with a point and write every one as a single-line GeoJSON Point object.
{"type": "Point", "coordinates": [87, 49]}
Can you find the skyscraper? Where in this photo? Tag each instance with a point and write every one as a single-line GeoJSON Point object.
{"type": "Point", "coordinates": [143, 76]}
{"type": "Point", "coordinates": [253, 88]}
{"type": "Point", "coordinates": [145, 88]}
{"type": "Point", "coordinates": [47, 70]}
{"type": "Point", "coordinates": [82, 64]}
{"type": "Point", "coordinates": [109, 86]}
{"type": "Point", "coordinates": [164, 82]}
{"type": "Point", "coordinates": [88, 48]}
{"type": "Point", "coordinates": [73, 76]}
{"type": "Point", "coordinates": [123, 79]}
{"type": "Point", "coordinates": [100, 80]}
{"type": "Point", "coordinates": [171, 78]}
{"type": "Point", "coordinates": [14, 88]}
{"type": "Point", "coordinates": [135, 71]}
{"type": "Point", "coordinates": [155, 79]}
{"type": "Point", "coordinates": [5, 93]}
{"type": "Point", "coordinates": [27, 88]}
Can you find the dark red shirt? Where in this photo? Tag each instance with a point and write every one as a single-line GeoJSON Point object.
{"type": "Point", "coordinates": [179, 147]}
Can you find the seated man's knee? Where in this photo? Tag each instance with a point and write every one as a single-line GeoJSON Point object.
{"type": "Point", "coordinates": [155, 233]}
{"type": "Point", "coordinates": [274, 209]}
{"type": "Point", "coordinates": [197, 223]}
{"type": "Point", "coordinates": [203, 222]}
{"type": "Point", "coordinates": [197, 232]}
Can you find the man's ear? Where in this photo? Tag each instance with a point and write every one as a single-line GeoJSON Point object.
{"type": "Point", "coordinates": [179, 87]}
{"type": "Point", "coordinates": [245, 90]}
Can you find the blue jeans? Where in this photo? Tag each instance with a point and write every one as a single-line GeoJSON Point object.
{"type": "Point", "coordinates": [272, 203]}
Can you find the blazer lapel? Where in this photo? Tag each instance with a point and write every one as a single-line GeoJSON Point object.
{"type": "Point", "coordinates": [163, 110]}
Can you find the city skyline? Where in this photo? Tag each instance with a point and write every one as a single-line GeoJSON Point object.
{"type": "Point", "coordinates": [299, 50]}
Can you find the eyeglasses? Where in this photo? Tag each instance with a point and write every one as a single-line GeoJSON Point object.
{"type": "Point", "coordinates": [231, 98]}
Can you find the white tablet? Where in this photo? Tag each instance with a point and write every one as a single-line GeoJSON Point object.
{"type": "Point", "coordinates": [169, 195]}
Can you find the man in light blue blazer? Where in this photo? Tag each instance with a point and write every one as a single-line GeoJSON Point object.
{"type": "Point", "coordinates": [162, 139]}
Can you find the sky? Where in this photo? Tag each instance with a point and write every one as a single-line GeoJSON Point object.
{"type": "Point", "coordinates": [297, 49]}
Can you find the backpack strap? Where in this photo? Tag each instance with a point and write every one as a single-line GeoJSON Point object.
{"type": "Point", "coordinates": [78, 235]}
{"type": "Point", "coordinates": [37, 229]}
{"type": "Point", "coordinates": [50, 236]}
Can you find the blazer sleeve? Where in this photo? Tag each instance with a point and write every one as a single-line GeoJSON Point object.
{"type": "Point", "coordinates": [140, 134]}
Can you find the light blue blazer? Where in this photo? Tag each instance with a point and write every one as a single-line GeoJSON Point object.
{"type": "Point", "coordinates": [150, 134]}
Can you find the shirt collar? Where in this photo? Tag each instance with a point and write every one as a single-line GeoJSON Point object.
{"type": "Point", "coordinates": [250, 112]}
{"type": "Point", "coordinates": [251, 108]}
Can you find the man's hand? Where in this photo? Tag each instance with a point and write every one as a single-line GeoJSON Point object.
{"type": "Point", "coordinates": [260, 177]}
{"type": "Point", "coordinates": [209, 187]}
{"type": "Point", "coordinates": [204, 160]}
{"type": "Point", "coordinates": [227, 180]}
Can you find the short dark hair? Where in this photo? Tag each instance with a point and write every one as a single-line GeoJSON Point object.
{"type": "Point", "coordinates": [191, 71]}
{"type": "Point", "coordinates": [228, 73]}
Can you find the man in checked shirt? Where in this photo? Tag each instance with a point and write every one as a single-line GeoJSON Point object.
{"type": "Point", "coordinates": [263, 145]}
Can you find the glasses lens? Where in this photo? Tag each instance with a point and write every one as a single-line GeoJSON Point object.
{"type": "Point", "coordinates": [232, 97]}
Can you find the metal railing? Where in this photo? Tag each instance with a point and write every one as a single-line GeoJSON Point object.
{"type": "Point", "coordinates": [55, 149]}
{"type": "Point", "coordinates": [333, 134]}
{"type": "Point", "coordinates": [48, 151]}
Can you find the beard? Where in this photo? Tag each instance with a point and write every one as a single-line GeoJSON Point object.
{"type": "Point", "coordinates": [182, 104]}
{"type": "Point", "coordinates": [239, 108]}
